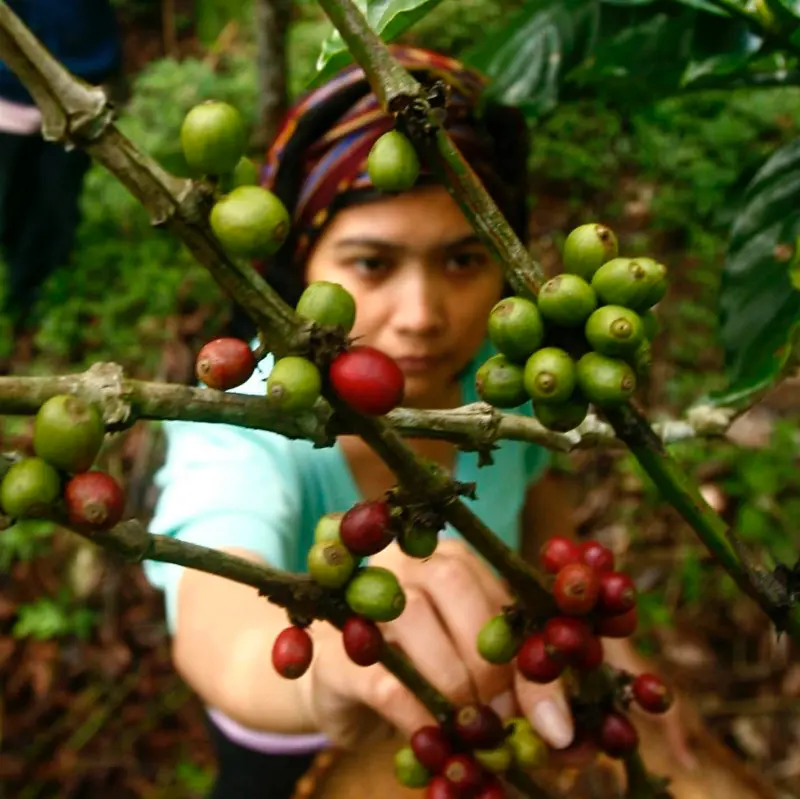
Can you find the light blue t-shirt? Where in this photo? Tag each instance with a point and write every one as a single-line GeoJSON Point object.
{"type": "Point", "coordinates": [224, 486]}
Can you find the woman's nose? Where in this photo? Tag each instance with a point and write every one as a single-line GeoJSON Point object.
{"type": "Point", "coordinates": [420, 305]}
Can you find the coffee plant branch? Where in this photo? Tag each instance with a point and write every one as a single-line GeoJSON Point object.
{"type": "Point", "coordinates": [476, 427]}
{"type": "Point", "coordinates": [72, 114]}
{"type": "Point", "coordinates": [404, 96]}
{"type": "Point", "coordinates": [303, 598]}
{"type": "Point", "coordinates": [630, 426]}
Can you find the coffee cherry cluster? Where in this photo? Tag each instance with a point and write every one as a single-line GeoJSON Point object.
{"type": "Point", "coordinates": [372, 593]}
{"type": "Point", "coordinates": [586, 338]}
{"type": "Point", "coordinates": [468, 759]}
{"type": "Point", "coordinates": [67, 436]}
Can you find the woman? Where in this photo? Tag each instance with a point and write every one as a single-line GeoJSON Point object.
{"type": "Point", "coordinates": [424, 286]}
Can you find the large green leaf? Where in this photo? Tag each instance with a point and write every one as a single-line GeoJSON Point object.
{"type": "Point", "coordinates": [388, 18]}
{"type": "Point", "coordinates": [759, 303]}
{"type": "Point", "coordinates": [527, 57]}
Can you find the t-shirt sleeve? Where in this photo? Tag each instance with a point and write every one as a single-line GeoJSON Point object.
{"type": "Point", "coordinates": [225, 486]}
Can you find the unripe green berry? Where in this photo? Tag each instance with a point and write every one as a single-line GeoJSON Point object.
{"type": "Point", "coordinates": [327, 527]}
{"type": "Point", "coordinates": [330, 563]}
{"type": "Point", "coordinates": [408, 770]}
{"type": "Point", "coordinates": [418, 542]}
{"type": "Point", "coordinates": [605, 381]}
{"type": "Point", "coordinates": [497, 641]}
{"type": "Point", "coordinates": [515, 328]}
{"type": "Point", "coordinates": [294, 384]}
{"type": "Point", "coordinates": [68, 433]}
{"type": "Point", "coordinates": [566, 300]}
{"type": "Point", "coordinates": [375, 593]}
{"type": "Point", "coordinates": [393, 163]}
{"type": "Point", "coordinates": [496, 760]}
{"type": "Point", "coordinates": [587, 248]}
{"type": "Point", "coordinates": [328, 303]}
{"type": "Point", "coordinates": [651, 325]}
{"type": "Point", "coordinates": [563, 416]}
{"type": "Point", "coordinates": [550, 375]}
{"type": "Point", "coordinates": [614, 330]}
{"type": "Point", "coordinates": [636, 283]}
{"type": "Point", "coordinates": [500, 382]}
{"type": "Point", "coordinates": [29, 489]}
{"type": "Point", "coordinates": [213, 138]}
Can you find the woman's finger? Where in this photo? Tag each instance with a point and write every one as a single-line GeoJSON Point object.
{"type": "Point", "coordinates": [492, 585]}
{"type": "Point", "coordinates": [429, 645]}
{"type": "Point", "coordinates": [545, 706]}
{"type": "Point", "coordinates": [460, 599]}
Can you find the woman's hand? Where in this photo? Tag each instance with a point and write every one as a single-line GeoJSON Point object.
{"type": "Point", "coordinates": [449, 597]}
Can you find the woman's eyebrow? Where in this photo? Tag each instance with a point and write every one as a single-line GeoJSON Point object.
{"type": "Point", "coordinates": [386, 244]}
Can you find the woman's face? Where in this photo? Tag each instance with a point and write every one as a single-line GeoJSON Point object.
{"type": "Point", "coordinates": [422, 282]}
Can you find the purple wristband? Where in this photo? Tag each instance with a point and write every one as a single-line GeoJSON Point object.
{"type": "Point", "coordinates": [272, 743]}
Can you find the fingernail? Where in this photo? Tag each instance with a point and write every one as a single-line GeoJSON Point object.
{"type": "Point", "coordinates": [503, 705]}
{"type": "Point", "coordinates": [553, 723]}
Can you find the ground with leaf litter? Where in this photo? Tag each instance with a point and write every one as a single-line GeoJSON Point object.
{"type": "Point", "coordinates": [107, 715]}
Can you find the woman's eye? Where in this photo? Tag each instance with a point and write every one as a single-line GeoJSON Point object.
{"type": "Point", "coordinates": [467, 260]}
{"type": "Point", "coordinates": [369, 264]}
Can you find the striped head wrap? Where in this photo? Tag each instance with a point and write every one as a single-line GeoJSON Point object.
{"type": "Point", "coordinates": [321, 149]}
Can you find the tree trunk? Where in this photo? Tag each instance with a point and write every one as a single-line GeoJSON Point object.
{"type": "Point", "coordinates": [272, 25]}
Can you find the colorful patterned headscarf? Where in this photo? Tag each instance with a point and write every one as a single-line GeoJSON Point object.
{"type": "Point", "coordinates": [321, 149]}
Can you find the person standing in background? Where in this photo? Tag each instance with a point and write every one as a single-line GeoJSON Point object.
{"type": "Point", "coordinates": [41, 181]}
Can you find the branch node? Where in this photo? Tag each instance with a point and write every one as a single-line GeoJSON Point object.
{"type": "Point", "coordinates": [104, 384]}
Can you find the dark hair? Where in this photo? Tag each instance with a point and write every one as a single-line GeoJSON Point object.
{"type": "Point", "coordinates": [504, 176]}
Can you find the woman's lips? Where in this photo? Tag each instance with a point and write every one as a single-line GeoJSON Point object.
{"type": "Point", "coordinates": [419, 364]}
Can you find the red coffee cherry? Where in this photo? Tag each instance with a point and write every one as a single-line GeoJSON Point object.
{"type": "Point", "coordinates": [567, 638]}
{"type": "Point", "coordinates": [535, 663]}
{"type": "Point", "coordinates": [441, 788]}
{"type": "Point", "coordinates": [479, 727]}
{"type": "Point", "coordinates": [618, 626]}
{"type": "Point", "coordinates": [557, 552]}
{"type": "Point", "coordinates": [576, 589]}
{"type": "Point", "coordinates": [600, 558]}
{"type": "Point", "coordinates": [225, 363]}
{"type": "Point", "coordinates": [368, 380]}
{"type": "Point", "coordinates": [292, 652]}
{"type": "Point", "coordinates": [617, 593]}
{"type": "Point", "coordinates": [362, 640]}
{"type": "Point", "coordinates": [431, 747]}
{"type": "Point", "coordinates": [617, 736]}
{"type": "Point", "coordinates": [651, 693]}
{"type": "Point", "coordinates": [592, 657]}
{"type": "Point", "coordinates": [94, 501]}
{"type": "Point", "coordinates": [464, 772]}
{"type": "Point", "coordinates": [491, 789]}
{"type": "Point", "coordinates": [365, 528]}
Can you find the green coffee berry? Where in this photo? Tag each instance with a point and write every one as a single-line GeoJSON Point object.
{"type": "Point", "coordinates": [328, 303]}
{"type": "Point", "coordinates": [68, 433]}
{"type": "Point", "coordinates": [562, 417]}
{"type": "Point", "coordinates": [636, 283]}
{"type": "Point", "coordinates": [408, 770]}
{"type": "Point", "coordinates": [651, 325]}
{"type": "Point", "coordinates": [327, 527]}
{"type": "Point", "coordinates": [515, 328]}
{"type": "Point", "coordinates": [418, 542]}
{"type": "Point", "coordinates": [605, 381]}
{"type": "Point", "coordinates": [642, 359]}
{"type": "Point", "coordinates": [566, 300]}
{"type": "Point", "coordinates": [29, 489]}
{"type": "Point", "coordinates": [496, 760]}
{"type": "Point", "coordinates": [549, 375]}
{"type": "Point", "coordinates": [587, 248]}
{"type": "Point", "coordinates": [294, 384]}
{"type": "Point", "coordinates": [375, 593]}
{"type": "Point", "coordinates": [393, 163]}
{"type": "Point", "coordinates": [528, 749]}
{"type": "Point", "coordinates": [500, 382]}
{"type": "Point", "coordinates": [614, 330]}
{"type": "Point", "coordinates": [497, 641]}
{"type": "Point", "coordinates": [330, 563]}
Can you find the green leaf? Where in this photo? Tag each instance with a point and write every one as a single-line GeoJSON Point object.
{"type": "Point", "coordinates": [527, 58]}
{"type": "Point", "coordinates": [759, 306]}
{"type": "Point", "coordinates": [388, 18]}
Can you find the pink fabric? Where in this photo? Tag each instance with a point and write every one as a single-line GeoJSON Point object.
{"type": "Point", "coordinates": [23, 120]}
{"type": "Point", "coordinates": [268, 742]}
